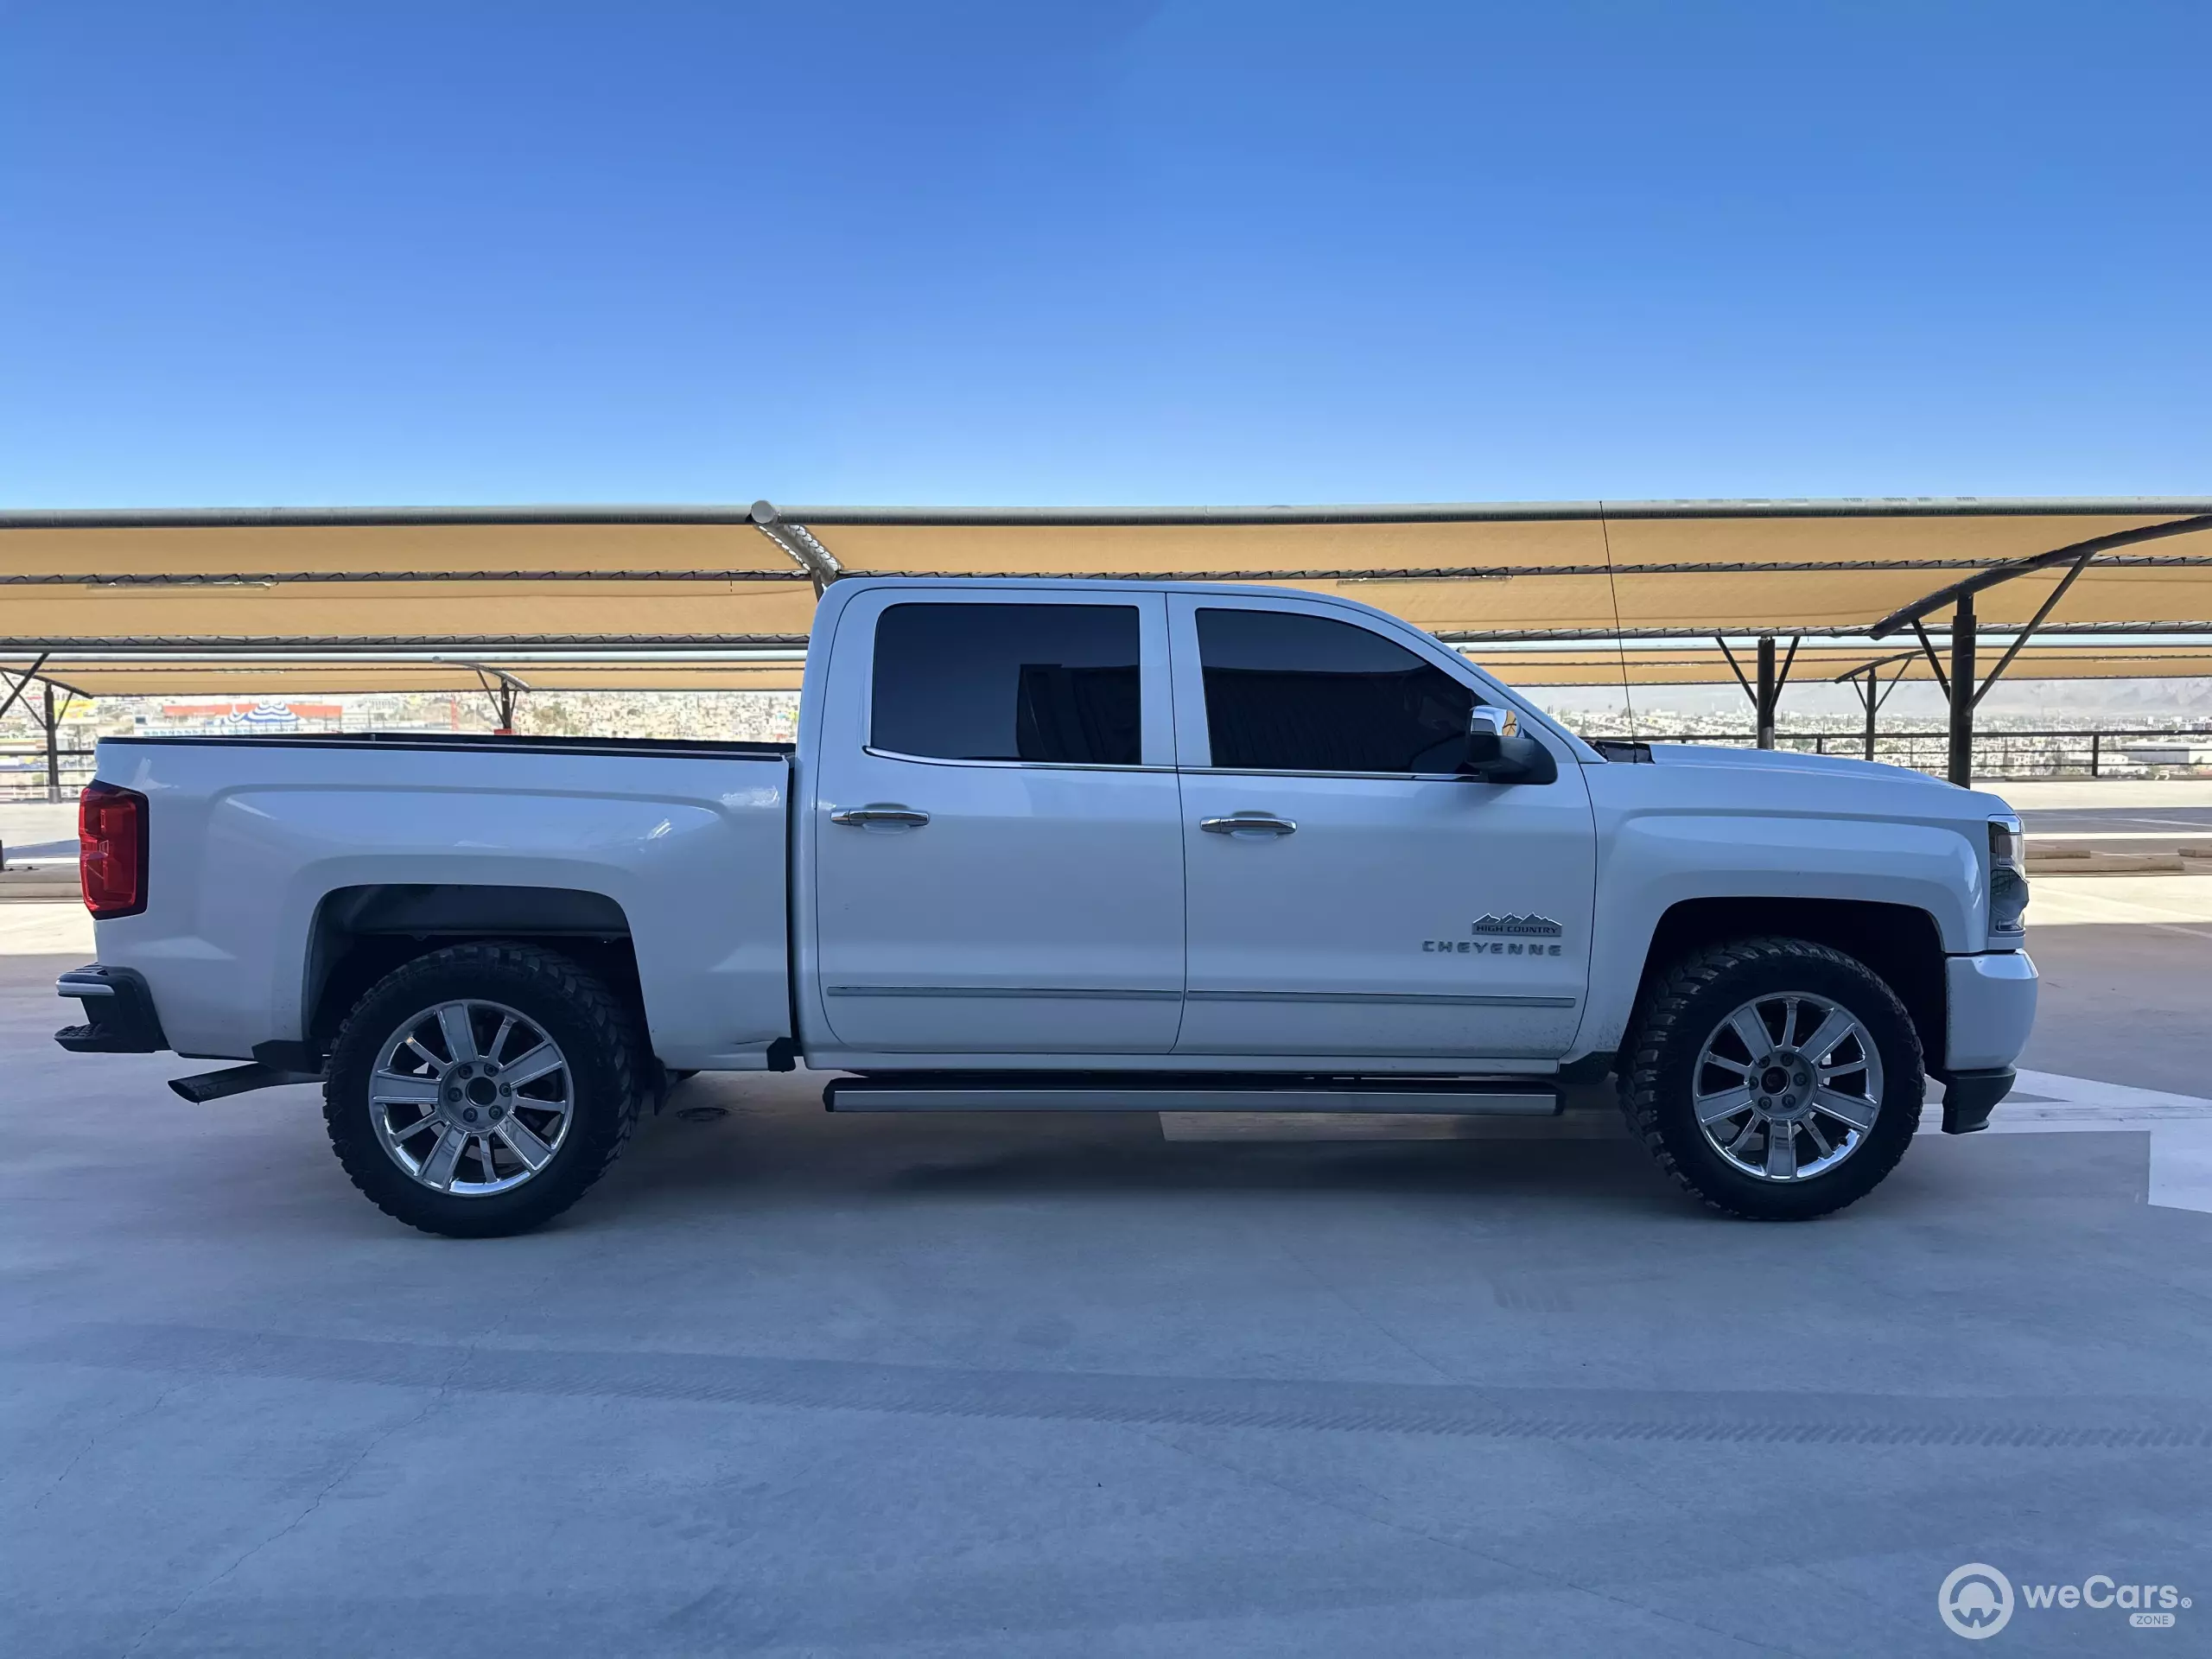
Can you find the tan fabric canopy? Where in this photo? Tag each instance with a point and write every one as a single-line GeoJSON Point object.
{"type": "Point", "coordinates": [719, 575]}
{"type": "Point", "coordinates": [1536, 666]}
{"type": "Point", "coordinates": [1652, 568]}
{"type": "Point", "coordinates": [536, 575]}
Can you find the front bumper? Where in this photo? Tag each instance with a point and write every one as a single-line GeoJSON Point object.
{"type": "Point", "coordinates": [119, 1017]}
{"type": "Point", "coordinates": [1990, 1007]}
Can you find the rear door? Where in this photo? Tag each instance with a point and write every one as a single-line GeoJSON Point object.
{"type": "Point", "coordinates": [1377, 904]}
{"type": "Point", "coordinates": [997, 836]}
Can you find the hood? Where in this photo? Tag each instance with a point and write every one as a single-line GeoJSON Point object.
{"type": "Point", "coordinates": [1829, 766]}
{"type": "Point", "coordinates": [1935, 793]}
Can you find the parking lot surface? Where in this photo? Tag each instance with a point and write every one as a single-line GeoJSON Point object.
{"type": "Point", "coordinates": [792, 1383]}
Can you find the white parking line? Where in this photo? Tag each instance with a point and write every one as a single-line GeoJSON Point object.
{"type": "Point", "coordinates": [2180, 1127]}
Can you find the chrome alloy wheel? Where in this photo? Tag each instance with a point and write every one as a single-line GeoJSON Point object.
{"type": "Point", "coordinates": [1788, 1086]}
{"type": "Point", "coordinates": [471, 1098]}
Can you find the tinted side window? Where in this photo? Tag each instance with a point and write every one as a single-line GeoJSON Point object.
{"type": "Point", "coordinates": [1290, 693]}
{"type": "Point", "coordinates": [1008, 682]}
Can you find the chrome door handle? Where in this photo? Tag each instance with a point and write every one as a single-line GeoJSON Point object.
{"type": "Point", "coordinates": [1254, 823]}
{"type": "Point", "coordinates": [860, 818]}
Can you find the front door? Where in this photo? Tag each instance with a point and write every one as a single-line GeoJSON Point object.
{"type": "Point", "coordinates": [997, 842]}
{"type": "Point", "coordinates": [1349, 895]}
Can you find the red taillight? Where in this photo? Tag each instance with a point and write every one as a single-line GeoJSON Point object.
{"type": "Point", "coordinates": [111, 850]}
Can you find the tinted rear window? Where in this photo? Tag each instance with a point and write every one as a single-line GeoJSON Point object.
{"type": "Point", "coordinates": [1040, 683]}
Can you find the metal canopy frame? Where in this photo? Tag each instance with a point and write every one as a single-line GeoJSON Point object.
{"type": "Point", "coordinates": [1766, 695]}
{"type": "Point", "coordinates": [1960, 689]}
{"type": "Point", "coordinates": [45, 714]}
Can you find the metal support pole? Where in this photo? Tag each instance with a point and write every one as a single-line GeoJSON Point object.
{"type": "Point", "coordinates": [2096, 745]}
{"type": "Point", "coordinates": [1868, 696]}
{"type": "Point", "coordinates": [1766, 697]}
{"type": "Point", "coordinates": [53, 749]}
{"type": "Point", "coordinates": [1962, 688]}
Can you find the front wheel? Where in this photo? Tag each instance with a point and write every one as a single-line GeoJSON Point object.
{"type": "Point", "coordinates": [1774, 1079]}
{"type": "Point", "coordinates": [480, 1090]}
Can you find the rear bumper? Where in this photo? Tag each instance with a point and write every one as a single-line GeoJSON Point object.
{"type": "Point", "coordinates": [119, 1017]}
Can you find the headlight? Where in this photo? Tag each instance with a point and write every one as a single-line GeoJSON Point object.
{"type": "Point", "coordinates": [2008, 879]}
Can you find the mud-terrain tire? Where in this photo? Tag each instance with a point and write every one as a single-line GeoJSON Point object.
{"type": "Point", "coordinates": [1685, 1047]}
{"type": "Point", "coordinates": [563, 1128]}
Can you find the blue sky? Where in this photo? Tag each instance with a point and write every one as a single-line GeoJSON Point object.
{"type": "Point", "coordinates": [1035, 253]}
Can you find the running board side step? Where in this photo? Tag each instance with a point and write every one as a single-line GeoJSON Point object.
{"type": "Point", "coordinates": [1014, 1091]}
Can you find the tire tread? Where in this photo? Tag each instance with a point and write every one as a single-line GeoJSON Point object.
{"type": "Point", "coordinates": [609, 1021]}
{"type": "Point", "coordinates": [1667, 1000]}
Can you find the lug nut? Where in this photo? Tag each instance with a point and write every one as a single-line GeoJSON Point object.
{"type": "Point", "coordinates": [506, 1087]}
{"type": "Point", "coordinates": [453, 1094]}
{"type": "Point", "coordinates": [499, 1112]}
{"type": "Point", "coordinates": [469, 1114]}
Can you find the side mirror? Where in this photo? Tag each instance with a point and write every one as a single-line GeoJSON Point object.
{"type": "Point", "coordinates": [1487, 730]}
{"type": "Point", "coordinates": [1497, 753]}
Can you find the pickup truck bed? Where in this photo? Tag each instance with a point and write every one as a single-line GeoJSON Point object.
{"type": "Point", "coordinates": [307, 866]}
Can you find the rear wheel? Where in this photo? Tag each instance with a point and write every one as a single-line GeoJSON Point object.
{"type": "Point", "coordinates": [482, 1090]}
{"type": "Point", "coordinates": [1775, 1078]}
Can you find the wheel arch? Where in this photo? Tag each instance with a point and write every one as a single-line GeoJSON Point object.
{"type": "Point", "coordinates": [360, 934]}
{"type": "Point", "coordinates": [1900, 943]}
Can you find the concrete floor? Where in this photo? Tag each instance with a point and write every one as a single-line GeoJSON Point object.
{"type": "Point", "coordinates": [787, 1382]}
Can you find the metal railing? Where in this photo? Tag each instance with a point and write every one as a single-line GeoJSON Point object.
{"type": "Point", "coordinates": [23, 773]}
{"type": "Point", "coordinates": [2105, 752]}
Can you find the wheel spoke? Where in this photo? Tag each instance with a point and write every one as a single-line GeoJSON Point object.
{"type": "Point", "coordinates": [1726, 1064]}
{"type": "Point", "coordinates": [1819, 1139]}
{"type": "Point", "coordinates": [539, 1062]}
{"type": "Point", "coordinates": [1853, 1109]}
{"type": "Point", "coordinates": [438, 1167]}
{"type": "Point", "coordinates": [1751, 1126]}
{"type": "Point", "coordinates": [1781, 1152]}
{"type": "Point", "coordinates": [459, 1035]}
{"type": "Point", "coordinates": [396, 1089]}
{"type": "Point", "coordinates": [1832, 1030]}
{"type": "Point", "coordinates": [524, 1143]}
{"type": "Point", "coordinates": [1750, 1031]}
{"type": "Point", "coordinates": [1711, 1109]}
{"type": "Point", "coordinates": [422, 1130]}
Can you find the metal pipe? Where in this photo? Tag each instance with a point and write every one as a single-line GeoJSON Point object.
{"type": "Point", "coordinates": [1961, 690]}
{"type": "Point", "coordinates": [1767, 696]}
{"type": "Point", "coordinates": [53, 749]}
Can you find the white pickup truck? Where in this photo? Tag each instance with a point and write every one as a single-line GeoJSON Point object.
{"type": "Point", "coordinates": [1065, 846]}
